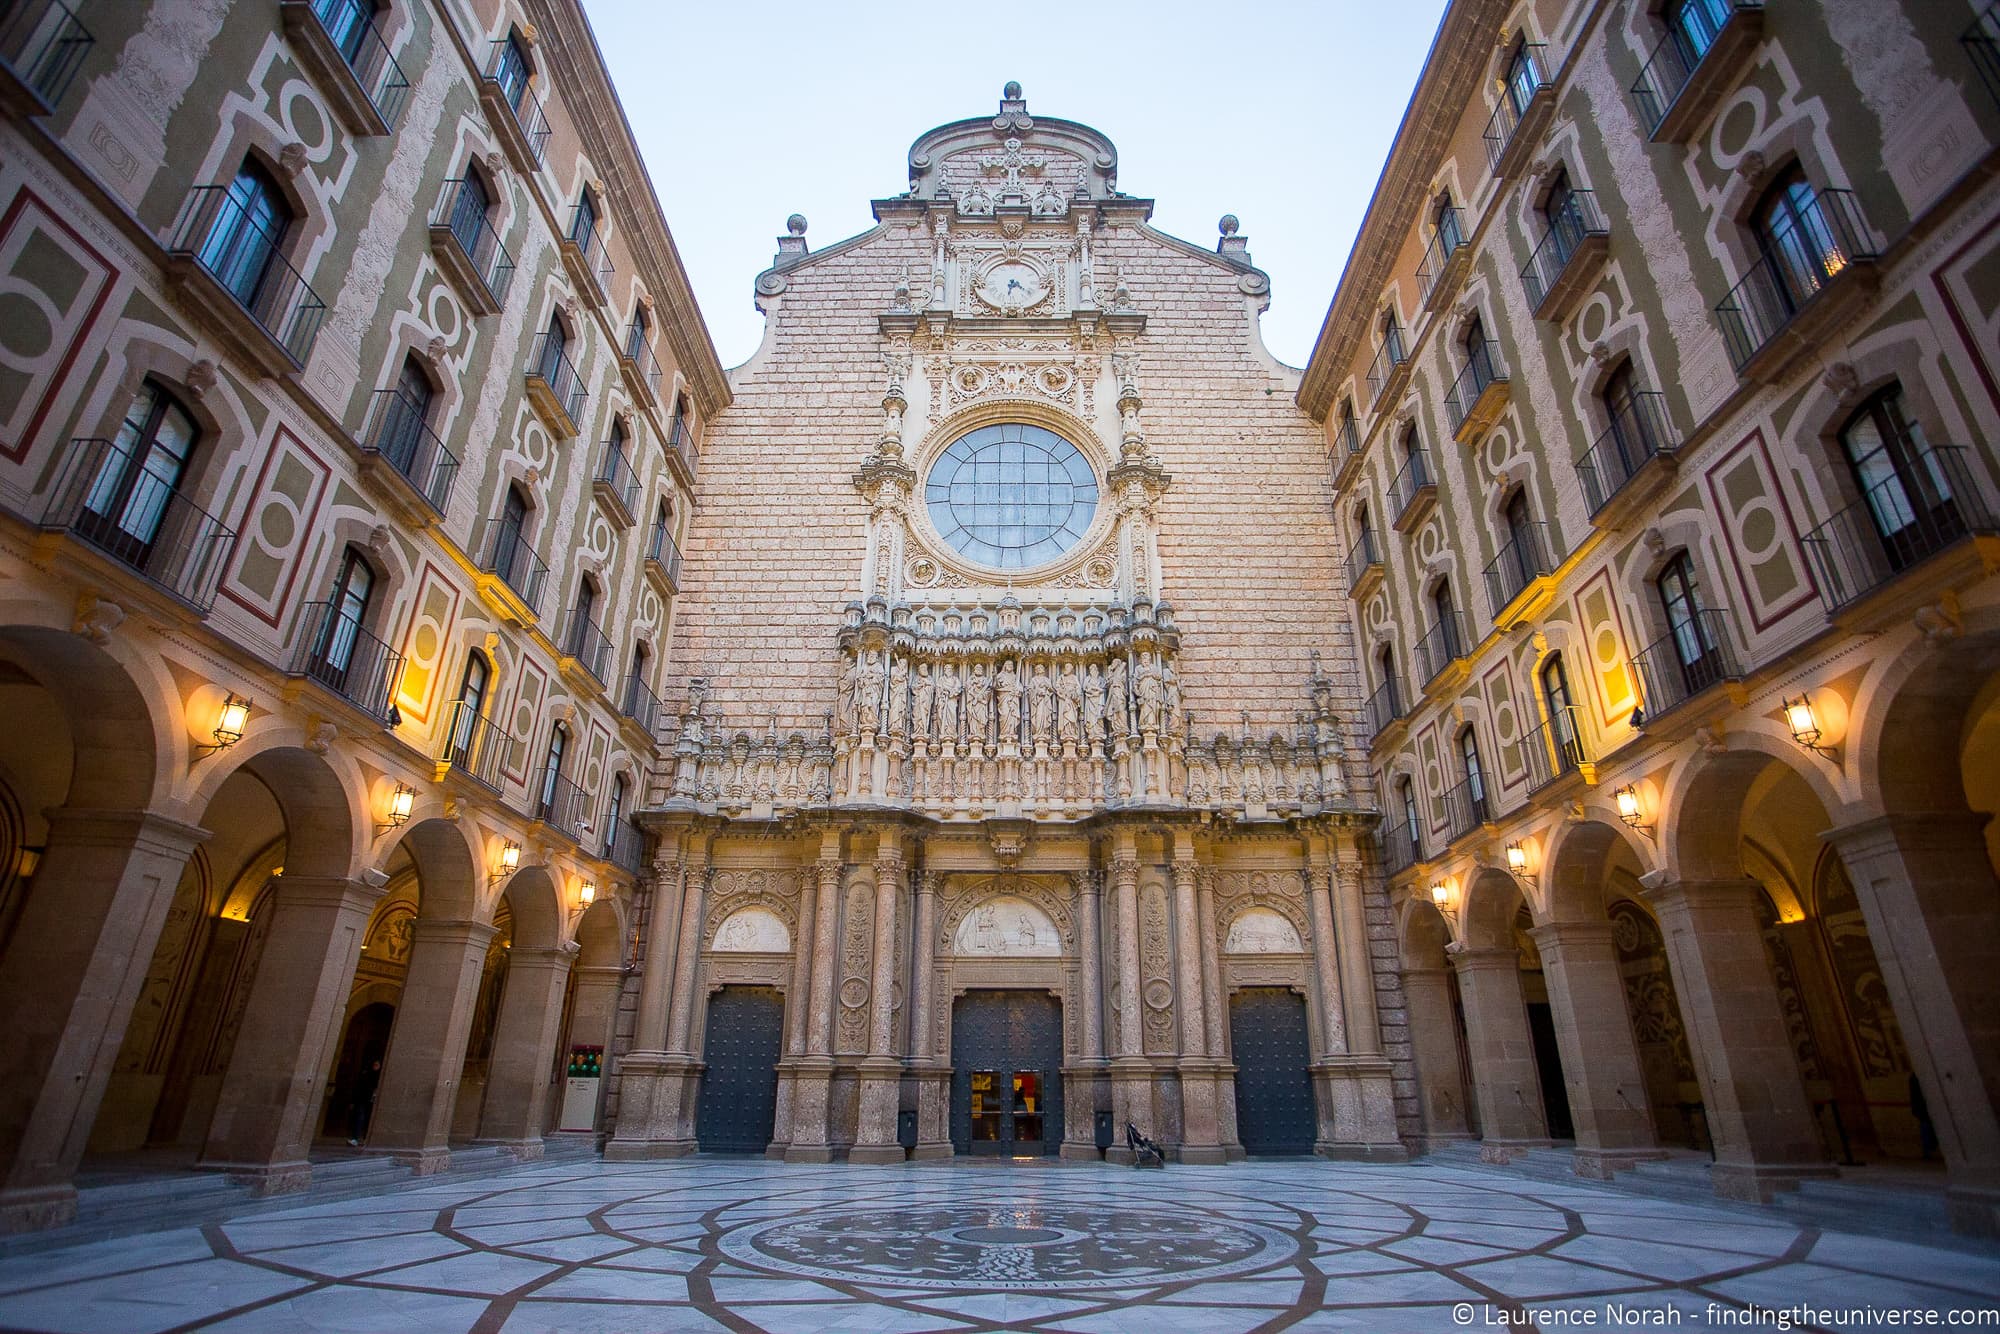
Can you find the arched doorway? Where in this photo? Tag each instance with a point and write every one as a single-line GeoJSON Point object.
{"type": "Point", "coordinates": [1006, 1058]}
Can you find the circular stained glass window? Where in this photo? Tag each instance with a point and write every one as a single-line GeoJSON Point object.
{"type": "Point", "coordinates": [1011, 496]}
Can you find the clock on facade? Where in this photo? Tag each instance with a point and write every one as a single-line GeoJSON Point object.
{"type": "Point", "coordinates": [1012, 285]}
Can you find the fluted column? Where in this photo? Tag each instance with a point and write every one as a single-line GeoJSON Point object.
{"type": "Point", "coordinates": [652, 1078]}
{"type": "Point", "coordinates": [687, 958]}
{"type": "Point", "coordinates": [1201, 1113]}
{"type": "Point", "coordinates": [1090, 945]}
{"type": "Point", "coordinates": [1326, 957]}
{"type": "Point", "coordinates": [812, 1085]}
{"type": "Point", "coordinates": [881, 1073]}
{"type": "Point", "coordinates": [797, 1005]}
{"type": "Point", "coordinates": [1131, 1072]}
{"type": "Point", "coordinates": [1357, 964]}
{"type": "Point", "coordinates": [1083, 1081]}
{"type": "Point", "coordinates": [662, 918]}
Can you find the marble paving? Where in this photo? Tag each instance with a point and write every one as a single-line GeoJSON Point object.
{"type": "Point", "coordinates": [742, 1245]}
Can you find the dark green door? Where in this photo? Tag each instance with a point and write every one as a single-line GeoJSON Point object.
{"type": "Point", "coordinates": [1274, 1096]}
{"type": "Point", "coordinates": [1006, 1081]}
{"type": "Point", "coordinates": [739, 1090]}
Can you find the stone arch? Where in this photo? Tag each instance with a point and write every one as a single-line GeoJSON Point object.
{"type": "Point", "coordinates": [1422, 934]}
{"type": "Point", "coordinates": [1487, 910]}
{"type": "Point", "coordinates": [1051, 898]}
{"type": "Point", "coordinates": [1261, 929]}
{"type": "Point", "coordinates": [1703, 802]}
{"type": "Point", "coordinates": [447, 866]}
{"type": "Point", "coordinates": [600, 935]}
{"type": "Point", "coordinates": [1006, 925]}
{"type": "Point", "coordinates": [535, 901]}
{"type": "Point", "coordinates": [1581, 855]}
{"type": "Point", "coordinates": [326, 821]}
{"type": "Point", "coordinates": [1922, 704]}
{"type": "Point", "coordinates": [119, 748]}
{"type": "Point", "coordinates": [751, 929]}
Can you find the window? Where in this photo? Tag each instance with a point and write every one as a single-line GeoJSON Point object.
{"type": "Point", "coordinates": [510, 537]}
{"type": "Point", "coordinates": [1413, 459]}
{"type": "Point", "coordinates": [636, 337]}
{"type": "Point", "coordinates": [1444, 219]}
{"type": "Point", "coordinates": [614, 452]}
{"type": "Point", "coordinates": [1523, 78]}
{"type": "Point", "coordinates": [513, 71]}
{"type": "Point", "coordinates": [1478, 360]}
{"type": "Point", "coordinates": [408, 417]}
{"type": "Point", "coordinates": [249, 226]}
{"type": "Point", "coordinates": [1700, 657]}
{"type": "Point", "coordinates": [1692, 26]}
{"type": "Point", "coordinates": [1797, 245]}
{"type": "Point", "coordinates": [552, 770]}
{"type": "Point", "coordinates": [347, 23]}
{"type": "Point", "coordinates": [1011, 496]}
{"type": "Point", "coordinates": [1523, 551]}
{"type": "Point", "coordinates": [1475, 774]}
{"type": "Point", "coordinates": [586, 601]}
{"type": "Point", "coordinates": [615, 815]}
{"type": "Point", "coordinates": [1385, 668]}
{"type": "Point", "coordinates": [1406, 792]}
{"type": "Point", "coordinates": [347, 610]}
{"type": "Point", "coordinates": [1349, 437]}
{"type": "Point", "coordinates": [555, 343]}
{"type": "Point", "coordinates": [1446, 612]}
{"type": "Point", "coordinates": [583, 227]}
{"type": "Point", "coordinates": [1556, 202]}
{"type": "Point", "coordinates": [471, 704]}
{"type": "Point", "coordinates": [470, 210]}
{"type": "Point", "coordinates": [1562, 718]}
{"type": "Point", "coordinates": [635, 684]}
{"type": "Point", "coordinates": [1364, 536]}
{"type": "Point", "coordinates": [1908, 497]}
{"type": "Point", "coordinates": [138, 478]}
{"type": "Point", "coordinates": [1392, 337]}
{"type": "Point", "coordinates": [1631, 434]}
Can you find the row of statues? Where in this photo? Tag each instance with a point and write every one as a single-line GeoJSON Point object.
{"type": "Point", "coordinates": [1043, 707]}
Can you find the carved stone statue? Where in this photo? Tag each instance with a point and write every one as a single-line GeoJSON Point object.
{"type": "Point", "coordinates": [1170, 692]}
{"type": "Point", "coordinates": [922, 691]}
{"type": "Point", "coordinates": [1117, 712]}
{"type": "Point", "coordinates": [948, 689]}
{"type": "Point", "coordinates": [1041, 705]}
{"type": "Point", "coordinates": [843, 715]}
{"type": "Point", "coordinates": [1069, 703]}
{"type": "Point", "coordinates": [1149, 693]}
{"type": "Point", "coordinates": [899, 698]}
{"type": "Point", "coordinates": [1093, 705]}
{"type": "Point", "coordinates": [1007, 700]}
{"type": "Point", "coordinates": [868, 694]}
{"type": "Point", "coordinates": [978, 705]}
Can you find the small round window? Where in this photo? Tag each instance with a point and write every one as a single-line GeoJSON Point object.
{"type": "Point", "coordinates": [1011, 496]}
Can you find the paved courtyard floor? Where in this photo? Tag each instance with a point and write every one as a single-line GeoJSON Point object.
{"type": "Point", "coordinates": [716, 1244]}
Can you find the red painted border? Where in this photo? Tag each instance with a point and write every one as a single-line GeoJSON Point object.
{"type": "Point", "coordinates": [1504, 669]}
{"type": "Point", "coordinates": [430, 573]}
{"type": "Point", "coordinates": [17, 451]}
{"type": "Point", "coordinates": [309, 524]}
{"type": "Point", "coordinates": [1624, 643]}
{"type": "Point", "coordinates": [1958, 317]}
{"type": "Point", "coordinates": [530, 670]}
{"type": "Point", "coordinates": [1757, 622]}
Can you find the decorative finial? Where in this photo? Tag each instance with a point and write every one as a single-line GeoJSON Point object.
{"type": "Point", "coordinates": [796, 224]}
{"type": "Point", "coordinates": [1012, 92]}
{"type": "Point", "coordinates": [1229, 224]}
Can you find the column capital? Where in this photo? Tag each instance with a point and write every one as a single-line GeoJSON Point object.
{"type": "Point", "coordinates": [330, 891]}
{"type": "Point", "coordinates": [1719, 893]}
{"type": "Point", "coordinates": [1484, 959]}
{"type": "Point", "coordinates": [542, 956]}
{"type": "Point", "coordinates": [154, 830]}
{"type": "Point", "coordinates": [453, 931]}
{"type": "Point", "coordinates": [1923, 828]}
{"type": "Point", "coordinates": [1562, 935]}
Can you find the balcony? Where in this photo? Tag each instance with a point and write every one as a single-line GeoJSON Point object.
{"type": "Point", "coordinates": [626, 848]}
{"type": "Point", "coordinates": [583, 640]}
{"type": "Point", "coordinates": [1400, 849]}
{"type": "Point", "coordinates": [123, 510]}
{"type": "Point", "coordinates": [1639, 433]}
{"type": "Point", "coordinates": [1346, 452]}
{"type": "Point", "coordinates": [1694, 67]}
{"type": "Point", "coordinates": [1555, 748]}
{"type": "Point", "coordinates": [1414, 491]}
{"type": "Point", "coordinates": [468, 249]}
{"type": "Point", "coordinates": [1478, 395]}
{"type": "Point", "coordinates": [1388, 371]}
{"type": "Point", "coordinates": [681, 449]}
{"type": "Point", "coordinates": [337, 43]}
{"type": "Point", "coordinates": [1570, 258]}
{"type": "Point", "coordinates": [562, 806]}
{"type": "Point", "coordinates": [1518, 587]}
{"type": "Point", "coordinates": [1445, 258]}
{"type": "Point", "coordinates": [1681, 664]}
{"type": "Point", "coordinates": [237, 280]}
{"type": "Point", "coordinates": [517, 118]}
{"type": "Point", "coordinates": [615, 485]}
{"type": "Point", "coordinates": [1443, 645]}
{"type": "Point", "coordinates": [1923, 509]}
{"type": "Point", "coordinates": [335, 652]}
{"type": "Point", "coordinates": [641, 370]}
{"type": "Point", "coordinates": [513, 575]}
{"type": "Point", "coordinates": [640, 704]}
{"type": "Point", "coordinates": [1364, 565]}
{"type": "Point", "coordinates": [1799, 289]}
{"type": "Point", "coordinates": [663, 561]}
{"type": "Point", "coordinates": [400, 441]}
{"type": "Point", "coordinates": [585, 257]}
{"type": "Point", "coordinates": [1385, 707]}
{"type": "Point", "coordinates": [475, 747]}
{"type": "Point", "coordinates": [42, 44]}
{"type": "Point", "coordinates": [555, 390]}
{"type": "Point", "coordinates": [1521, 115]}
{"type": "Point", "coordinates": [1466, 809]}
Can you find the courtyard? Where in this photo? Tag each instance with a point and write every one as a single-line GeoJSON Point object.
{"type": "Point", "coordinates": [739, 1244]}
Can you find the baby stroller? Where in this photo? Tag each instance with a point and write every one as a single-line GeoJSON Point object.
{"type": "Point", "coordinates": [1145, 1152]}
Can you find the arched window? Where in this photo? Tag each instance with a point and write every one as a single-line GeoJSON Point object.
{"type": "Point", "coordinates": [406, 423]}
{"type": "Point", "coordinates": [1524, 548]}
{"type": "Point", "coordinates": [1562, 718]}
{"type": "Point", "coordinates": [139, 476]}
{"type": "Point", "coordinates": [1632, 434]}
{"type": "Point", "coordinates": [1478, 358]}
{"type": "Point", "coordinates": [553, 362]}
{"type": "Point", "coordinates": [614, 815]}
{"type": "Point", "coordinates": [346, 613]}
{"type": "Point", "coordinates": [1364, 535]}
{"type": "Point", "coordinates": [1524, 79]}
{"type": "Point", "coordinates": [1901, 479]}
{"type": "Point", "coordinates": [552, 769]}
{"type": "Point", "coordinates": [510, 537]}
{"type": "Point", "coordinates": [583, 223]}
{"type": "Point", "coordinates": [1392, 337]}
{"type": "Point", "coordinates": [249, 226]}
{"type": "Point", "coordinates": [1406, 793]}
{"type": "Point", "coordinates": [512, 71]}
{"type": "Point", "coordinates": [1348, 436]}
{"type": "Point", "coordinates": [471, 706]}
{"type": "Point", "coordinates": [1391, 689]}
{"type": "Point", "coordinates": [636, 687]}
{"type": "Point", "coordinates": [1445, 609]}
{"type": "Point", "coordinates": [1413, 461]}
{"type": "Point", "coordinates": [1475, 773]}
{"type": "Point", "coordinates": [1444, 221]}
{"type": "Point", "coordinates": [470, 210]}
{"type": "Point", "coordinates": [1793, 235]}
{"type": "Point", "coordinates": [1693, 638]}
{"type": "Point", "coordinates": [636, 338]}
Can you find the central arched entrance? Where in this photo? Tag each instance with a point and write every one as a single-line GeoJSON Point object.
{"type": "Point", "coordinates": [1006, 1085]}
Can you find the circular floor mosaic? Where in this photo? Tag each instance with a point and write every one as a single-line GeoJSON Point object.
{"type": "Point", "coordinates": [1011, 1246]}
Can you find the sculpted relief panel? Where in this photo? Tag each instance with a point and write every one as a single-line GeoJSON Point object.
{"type": "Point", "coordinates": [1262, 931]}
{"type": "Point", "coordinates": [1007, 927]}
{"type": "Point", "coordinates": [752, 931]}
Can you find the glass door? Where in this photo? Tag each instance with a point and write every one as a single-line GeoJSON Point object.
{"type": "Point", "coordinates": [1027, 1110]}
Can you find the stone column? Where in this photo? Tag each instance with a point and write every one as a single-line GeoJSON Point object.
{"type": "Point", "coordinates": [84, 938]}
{"type": "Point", "coordinates": [656, 1101]}
{"type": "Point", "coordinates": [1926, 889]}
{"type": "Point", "coordinates": [427, 1045]}
{"type": "Point", "coordinates": [813, 1084]}
{"type": "Point", "coordinates": [1201, 1128]}
{"type": "Point", "coordinates": [1502, 1050]}
{"type": "Point", "coordinates": [1758, 1113]}
{"type": "Point", "coordinates": [515, 1113]}
{"type": "Point", "coordinates": [593, 1012]}
{"type": "Point", "coordinates": [881, 1073]}
{"type": "Point", "coordinates": [1131, 1072]}
{"type": "Point", "coordinates": [1326, 958]}
{"type": "Point", "coordinates": [1434, 1040]}
{"type": "Point", "coordinates": [643, 1114]}
{"type": "Point", "coordinates": [1356, 1088]}
{"type": "Point", "coordinates": [933, 1074]}
{"type": "Point", "coordinates": [1214, 1004]}
{"type": "Point", "coordinates": [796, 1006]}
{"type": "Point", "coordinates": [1600, 1059]}
{"type": "Point", "coordinates": [1082, 1082]}
{"type": "Point", "coordinates": [271, 1093]}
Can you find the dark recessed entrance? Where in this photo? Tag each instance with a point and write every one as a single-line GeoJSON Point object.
{"type": "Point", "coordinates": [1274, 1096]}
{"type": "Point", "coordinates": [739, 1090]}
{"type": "Point", "coordinates": [1006, 1085]}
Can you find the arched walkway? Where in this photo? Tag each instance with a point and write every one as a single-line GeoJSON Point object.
{"type": "Point", "coordinates": [1508, 1078]}
{"type": "Point", "coordinates": [1437, 1030]}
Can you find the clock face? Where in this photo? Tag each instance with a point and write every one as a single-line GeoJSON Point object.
{"type": "Point", "coordinates": [1011, 285]}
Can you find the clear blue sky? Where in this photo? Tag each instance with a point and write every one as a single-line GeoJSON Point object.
{"type": "Point", "coordinates": [1277, 112]}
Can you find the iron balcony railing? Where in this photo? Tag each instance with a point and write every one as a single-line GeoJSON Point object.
{"type": "Point", "coordinates": [43, 43]}
{"type": "Point", "coordinates": [1382, 370]}
{"type": "Point", "coordinates": [1929, 501]}
{"type": "Point", "coordinates": [1362, 555]}
{"type": "Point", "coordinates": [1554, 748]}
{"type": "Point", "coordinates": [549, 362]}
{"type": "Point", "coordinates": [681, 441]}
{"type": "Point", "coordinates": [1384, 707]}
{"type": "Point", "coordinates": [1400, 848]}
{"type": "Point", "coordinates": [1411, 479]}
{"type": "Point", "coordinates": [1346, 442]}
{"type": "Point", "coordinates": [1814, 248]}
{"type": "Point", "coordinates": [640, 704]}
{"type": "Point", "coordinates": [584, 640]}
{"type": "Point", "coordinates": [562, 805]}
{"type": "Point", "coordinates": [502, 69]}
{"type": "Point", "coordinates": [1679, 54]}
{"type": "Point", "coordinates": [1442, 645]}
{"type": "Point", "coordinates": [639, 353]}
{"type": "Point", "coordinates": [1531, 81]}
{"type": "Point", "coordinates": [1479, 371]}
{"type": "Point", "coordinates": [1569, 224]}
{"type": "Point", "coordinates": [614, 470]}
{"type": "Point", "coordinates": [663, 552]}
{"type": "Point", "coordinates": [588, 239]}
{"type": "Point", "coordinates": [475, 746]}
{"type": "Point", "coordinates": [509, 556]}
{"type": "Point", "coordinates": [336, 652]}
{"type": "Point", "coordinates": [218, 233]}
{"type": "Point", "coordinates": [1639, 431]}
{"type": "Point", "coordinates": [461, 207]}
{"type": "Point", "coordinates": [1466, 808]}
{"type": "Point", "coordinates": [140, 520]}
{"type": "Point", "coordinates": [1982, 46]}
{"type": "Point", "coordinates": [350, 26]}
{"type": "Point", "coordinates": [1685, 661]}
{"type": "Point", "coordinates": [625, 848]}
{"type": "Point", "coordinates": [1528, 555]}
{"type": "Point", "coordinates": [398, 434]}
{"type": "Point", "coordinates": [1447, 238]}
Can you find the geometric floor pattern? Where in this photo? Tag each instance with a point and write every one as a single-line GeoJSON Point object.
{"type": "Point", "coordinates": [744, 1245]}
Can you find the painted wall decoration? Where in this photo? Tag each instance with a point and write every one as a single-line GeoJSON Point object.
{"type": "Point", "coordinates": [1758, 532]}
{"type": "Point", "coordinates": [282, 518]}
{"type": "Point", "coordinates": [432, 613]}
{"type": "Point", "coordinates": [53, 286]}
